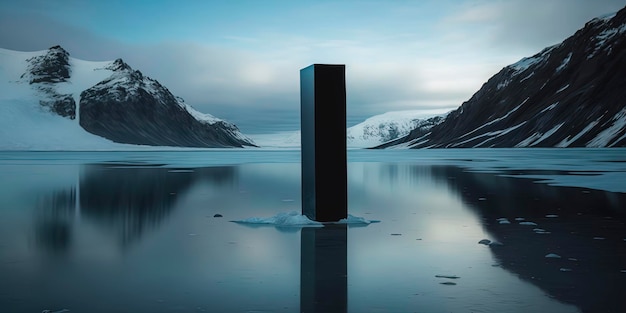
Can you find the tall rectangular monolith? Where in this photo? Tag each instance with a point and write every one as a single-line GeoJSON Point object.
{"type": "Point", "coordinates": [323, 140]}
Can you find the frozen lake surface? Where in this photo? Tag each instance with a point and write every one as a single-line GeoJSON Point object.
{"type": "Point", "coordinates": [476, 230]}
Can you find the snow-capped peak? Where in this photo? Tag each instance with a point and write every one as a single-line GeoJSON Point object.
{"type": "Point", "coordinates": [385, 127]}
{"type": "Point", "coordinates": [41, 94]}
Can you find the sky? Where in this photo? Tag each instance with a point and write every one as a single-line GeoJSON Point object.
{"type": "Point", "coordinates": [240, 60]}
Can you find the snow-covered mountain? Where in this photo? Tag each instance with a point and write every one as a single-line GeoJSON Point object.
{"type": "Point", "coordinates": [374, 131]}
{"type": "Point", "coordinates": [388, 126]}
{"type": "Point", "coordinates": [51, 101]}
{"type": "Point", "coordinates": [572, 94]}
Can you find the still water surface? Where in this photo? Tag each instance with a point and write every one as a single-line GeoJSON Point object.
{"type": "Point", "coordinates": [136, 232]}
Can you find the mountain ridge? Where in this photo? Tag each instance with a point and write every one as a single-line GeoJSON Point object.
{"type": "Point", "coordinates": [107, 99]}
{"type": "Point", "coordinates": [567, 95]}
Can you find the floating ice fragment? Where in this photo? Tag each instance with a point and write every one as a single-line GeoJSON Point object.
{"type": "Point", "coordinates": [292, 218]}
{"type": "Point", "coordinates": [502, 219]}
{"type": "Point", "coordinates": [396, 234]}
{"type": "Point", "coordinates": [448, 276]}
{"type": "Point", "coordinates": [485, 242]}
{"type": "Point", "coordinates": [573, 259]}
{"type": "Point", "coordinates": [599, 238]}
{"type": "Point", "coordinates": [528, 223]}
{"type": "Point", "coordinates": [520, 219]}
{"type": "Point", "coordinates": [495, 243]}
{"type": "Point", "coordinates": [356, 220]}
{"type": "Point", "coordinates": [551, 216]}
{"type": "Point", "coordinates": [218, 215]}
{"type": "Point", "coordinates": [553, 256]}
{"type": "Point", "coordinates": [504, 222]}
{"type": "Point", "coordinates": [449, 283]}
{"type": "Point", "coordinates": [623, 271]}
{"type": "Point", "coordinates": [482, 199]}
{"type": "Point", "coordinates": [562, 269]}
{"type": "Point", "coordinates": [539, 230]}
{"type": "Point", "coordinates": [287, 200]}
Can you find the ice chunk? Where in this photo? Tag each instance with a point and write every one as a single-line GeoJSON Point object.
{"type": "Point", "coordinates": [540, 231]}
{"type": "Point", "coordinates": [528, 223]}
{"type": "Point", "coordinates": [351, 219]}
{"type": "Point", "coordinates": [520, 219]}
{"type": "Point", "coordinates": [552, 215]}
{"type": "Point", "coordinates": [292, 218]}
{"type": "Point", "coordinates": [553, 256]}
{"type": "Point", "coordinates": [562, 269]}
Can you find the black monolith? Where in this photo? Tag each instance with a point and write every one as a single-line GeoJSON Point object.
{"type": "Point", "coordinates": [323, 139]}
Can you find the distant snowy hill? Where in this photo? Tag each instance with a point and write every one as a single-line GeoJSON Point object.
{"type": "Point", "coordinates": [385, 127]}
{"type": "Point", "coordinates": [51, 101]}
{"type": "Point", "coordinates": [572, 94]}
{"type": "Point", "coordinates": [372, 132]}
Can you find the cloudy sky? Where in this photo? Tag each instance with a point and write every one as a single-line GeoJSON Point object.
{"type": "Point", "coordinates": [240, 60]}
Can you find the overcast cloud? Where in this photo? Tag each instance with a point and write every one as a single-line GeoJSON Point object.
{"type": "Point", "coordinates": [241, 62]}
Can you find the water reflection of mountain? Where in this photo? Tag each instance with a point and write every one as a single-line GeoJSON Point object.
{"type": "Point", "coordinates": [53, 223]}
{"type": "Point", "coordinates": [585, 227]}
{"type": "Point", "coordinates": [125, 200]}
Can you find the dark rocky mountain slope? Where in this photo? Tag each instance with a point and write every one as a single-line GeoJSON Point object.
{"type": "Point", "coordinates": [129, 107]}
{"type": "Point", "coordinates": [118, 103]}
{"type": "Point", "coordinates": [572, 94]}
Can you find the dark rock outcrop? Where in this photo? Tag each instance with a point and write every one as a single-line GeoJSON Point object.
{"type": "Point", "coordinates": [569, 95]}
{"type": "Point", "coordinates": [63, 105]}
{"type": "Point", "coordinates": [52, 67]}
{"type": "Point", "coordinates": [43, 72]}
{"type": "Point", "coordinates": [129, 107]}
